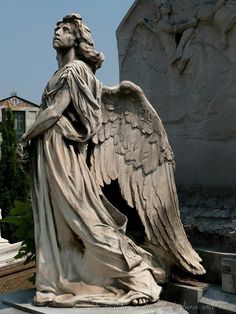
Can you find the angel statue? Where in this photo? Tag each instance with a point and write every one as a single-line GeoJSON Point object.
{"type": "Point", "coordinates": [85, 136]}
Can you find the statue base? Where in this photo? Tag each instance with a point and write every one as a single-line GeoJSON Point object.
{"type": "Point", "coordinates": [8, 251]}
{"type": "Point", "coordinates": [22, 301]}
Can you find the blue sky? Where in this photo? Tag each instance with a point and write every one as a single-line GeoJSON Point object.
{"type": "Point", "coordinates": [27, 59]}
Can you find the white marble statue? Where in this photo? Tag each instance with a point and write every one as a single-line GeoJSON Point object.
{"type": "Point", "coordinates": [3, 242]}
{"type": "Point", "coordinates": [85, 136]}
{"type": "Point", "coordinates": [0, 220]}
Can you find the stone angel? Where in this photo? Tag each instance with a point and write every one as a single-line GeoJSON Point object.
{"type": "Point", "coordinates": [85, 136]}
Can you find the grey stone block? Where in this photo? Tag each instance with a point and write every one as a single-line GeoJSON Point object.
{"type": "Point", "coordinates": [186, 295]}
{"type": "Point", "coordinates": [208, 299]}
{"type": "Point", "coordinates": [229, 275]}
{"type": "Point", "coordinates": [212, 262]}
{"type": "Point", "coordinates": [214, 301]}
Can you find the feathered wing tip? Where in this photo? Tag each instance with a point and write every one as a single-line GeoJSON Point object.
{"type": "Point", "coordinates": [132, 147]}
{"type": "Point", "coordinates": [189, 259]}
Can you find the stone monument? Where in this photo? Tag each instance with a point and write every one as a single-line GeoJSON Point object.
{"type": "Point", "coordinates": [85, 136]}
{"type": "Point", "coordinates": [3, 242]}
{"type": "Point", "coordinates": [182, 54]}
{"type": "Point", "coordinates": [8, 252]}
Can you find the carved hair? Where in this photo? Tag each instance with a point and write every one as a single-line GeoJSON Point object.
{"type": "Point", "coordinates": [85, 48]}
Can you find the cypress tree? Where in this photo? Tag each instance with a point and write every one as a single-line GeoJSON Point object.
{"type": "Point", "coordinates": [13, 182]}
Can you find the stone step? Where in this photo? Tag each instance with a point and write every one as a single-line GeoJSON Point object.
{"type": "Point", "coordinates": [11, 311]}
{"type": "Point", "coordinates": [22, 300]}
{"type": "Point", "coordinates": [200, 298]}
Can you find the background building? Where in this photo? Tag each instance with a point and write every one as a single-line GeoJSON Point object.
{"type": "Point", "coordinates": [23, 110]}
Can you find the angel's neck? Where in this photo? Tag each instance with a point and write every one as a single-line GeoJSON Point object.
{"type": "Point", "coordinates": [64, 57]}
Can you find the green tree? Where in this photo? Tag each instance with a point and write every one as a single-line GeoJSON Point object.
{"type": "Point", "coordinates": [22, 223]}
{"type": "Point", "coordinates": [13, 182]}
{"type": "Point", "coordinates": [21, 217]}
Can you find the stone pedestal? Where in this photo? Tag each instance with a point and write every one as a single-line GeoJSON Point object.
{"type": "Point", "coordinates": [22, 301]}
{"type": "Point", "coordinates": [8, 252]}
{"type": "Point", "coordinates": [3, 244]}
{"type": "Point", "coordinates": [182, 299]}
{"type": "Point", "coordinates": [213, 261]}
{"type": "Point", "coordinates": [199, 298]}
{"type": "Point", "coordinates": [229, 275]}
{"type": "Point", "coordinates": [14, 274]}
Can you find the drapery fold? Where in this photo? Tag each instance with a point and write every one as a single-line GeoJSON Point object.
{"type": "Point", "coordinates": [83, 254]}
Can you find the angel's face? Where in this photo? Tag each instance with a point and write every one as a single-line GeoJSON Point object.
{"type": "Point", "coordinates": [64, 36]}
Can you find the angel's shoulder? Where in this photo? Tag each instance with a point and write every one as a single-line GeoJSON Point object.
{"type": "Point", "coordinates": [78, 66]}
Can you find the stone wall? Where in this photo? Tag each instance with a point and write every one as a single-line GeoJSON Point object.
{"type": "Point", "coordinates": [182, 53]}
{"type": "Point", "coordinates": [16, 277]}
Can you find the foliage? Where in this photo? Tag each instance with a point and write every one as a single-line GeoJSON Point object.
{"type": "Point", "coordinates": [21, 217]}
{"type": "Point", "coordinates": [13, 182]}
{"type": "Point", "coordinates": [8, 168]}
{"type": "Point", "coordinates": [14, 194]}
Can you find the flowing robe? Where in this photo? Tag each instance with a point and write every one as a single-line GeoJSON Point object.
{"type": "Point", "coordinates": [82, 253]}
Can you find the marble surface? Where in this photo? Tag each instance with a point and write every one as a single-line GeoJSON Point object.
{"type": "Point", "coordinates": [21, 301]}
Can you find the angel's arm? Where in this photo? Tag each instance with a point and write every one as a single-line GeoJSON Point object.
{"type": "Point", "coordinates": [168, 27]}
{"type": "Point", "coordinates": [177, 27]}
{"type": "Point", "coordinates": [49, 116]}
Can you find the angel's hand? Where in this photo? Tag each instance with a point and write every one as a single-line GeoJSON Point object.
{"type": "Point", "coordinates": [191, 23]}
{"type": "Point", "coordinates": [146, 22]}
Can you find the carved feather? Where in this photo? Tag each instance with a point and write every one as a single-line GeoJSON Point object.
{"type": "Point", "coordinates": [132, 146]}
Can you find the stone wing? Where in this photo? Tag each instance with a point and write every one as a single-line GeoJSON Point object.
{"type": "Point", "coordinates": [132, 147]}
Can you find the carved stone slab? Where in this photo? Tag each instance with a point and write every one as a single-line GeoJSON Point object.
{"type": "Point", "coordinates": [182, 53]}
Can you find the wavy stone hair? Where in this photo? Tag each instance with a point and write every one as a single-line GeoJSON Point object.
{"type": "Point", "coordinates": [85, 48]}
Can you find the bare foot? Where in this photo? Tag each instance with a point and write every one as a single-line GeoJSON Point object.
{"type": "Point", "coordinates": [43, 299]}
{"type": "Point", "coordinates": [140, 301]}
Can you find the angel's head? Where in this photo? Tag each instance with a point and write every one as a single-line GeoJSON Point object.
{"type": "Point", "coordinates": [71, 31]}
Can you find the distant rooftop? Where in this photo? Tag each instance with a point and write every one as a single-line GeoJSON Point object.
{"type": "Point", "coordinates": [15, 101]}
{"type": "Point", "coordinates": [13, 94]}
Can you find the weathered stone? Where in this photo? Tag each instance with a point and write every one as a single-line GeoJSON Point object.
{"type": "Point", "coordinates": [22, 301]}
{"type": "Point", "coordinates": [4, 243]}
{"type": "Point", "coordinates": [11, 311]}
{"type": "Point", "coordinates": [16, 277]}
{"type": "Point", "coordinates": [229, 275]}
{"type": "Point", "coordinates": [85, 253]}
{"type": "Point", "coordinates": [200, 298]}
{"type": "Point", "coordinates": [212, 261]}
{"type": "Point", "coordinates": [210, 220]}
{"type": "Point", "coordinates": [186, 295]}
{"type": "Point", "coordinates": [182, 53]}
{"type": "Point", "coordinates": [214, 301]}
{"type": "Point", "coordinates": [8, 252]}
